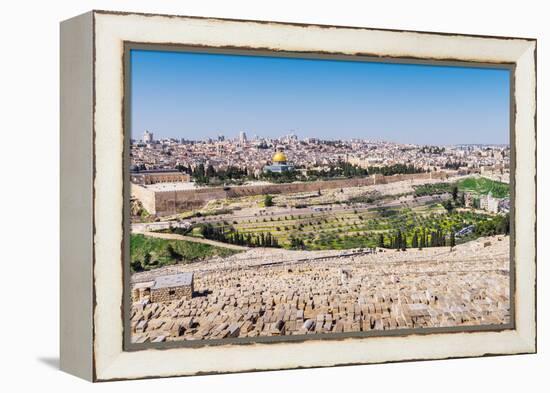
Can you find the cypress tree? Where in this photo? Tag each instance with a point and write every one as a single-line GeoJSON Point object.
{"type": "Point", "coordinates": [414, 243]}
{"type": "Point", "coordinates": [381, 240]}
{"type": "Point", "coordinates": [455, 193]}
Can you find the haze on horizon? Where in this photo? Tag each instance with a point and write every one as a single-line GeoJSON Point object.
{"type": "Point", "coordinates": [198, 95]}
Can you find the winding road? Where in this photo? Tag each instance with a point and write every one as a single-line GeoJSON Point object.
{"type": "Point", "coordinates": [174, 236]}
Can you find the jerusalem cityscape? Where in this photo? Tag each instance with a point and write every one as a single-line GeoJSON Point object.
{"type": "Point", "coordinates": [279, 245]}
{"type": "Point", "coordinates": [249, 234]}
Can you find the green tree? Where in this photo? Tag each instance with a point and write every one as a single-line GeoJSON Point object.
{"type": "Point", "coordinates": [199, 171]}
{"type": "Point", "coordinates": [381, 240]}
{"type": "Point", "coordinates": [210, 171]}
{"type": "Point", "coordinates": [433, 242]}
{"type": "Point", "coordinates": [414, 243]}
{"type": "Point", "coordinates": [136, 266]}
{"type": "Point", "coordinates": [454, 193]}
{"type": "Point", "coordinates": [268, 200]}
{"type": "Point", "coordinates": [172, 252]}
{"type": "Point", "coordinates": [399, 241]}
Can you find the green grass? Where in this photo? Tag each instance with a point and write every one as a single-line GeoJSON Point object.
{"type": "Point", "coordinates": [148, 253]}
{"type": "Point", "coordinates": [479, 186]}
{"type": "Point", "coordinates": [483, 186]}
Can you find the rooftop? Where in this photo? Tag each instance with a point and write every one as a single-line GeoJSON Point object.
{"type": "Point", "coordinates": [145, 284]}
{"type": "Point", "coordinates": [174, 280]}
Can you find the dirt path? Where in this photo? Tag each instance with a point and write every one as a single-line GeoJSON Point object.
{"type": "Point", "coordinates": [173, 236]}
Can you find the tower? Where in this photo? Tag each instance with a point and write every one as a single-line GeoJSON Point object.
{"type": "Point", "coordinates": [147, 137]}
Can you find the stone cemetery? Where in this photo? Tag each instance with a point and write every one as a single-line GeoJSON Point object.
{"type": "Point", "coordinates": [273, 292]}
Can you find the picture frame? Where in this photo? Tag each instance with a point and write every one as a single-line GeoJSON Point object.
{"type": "Point", "coordinates": [95, 341]}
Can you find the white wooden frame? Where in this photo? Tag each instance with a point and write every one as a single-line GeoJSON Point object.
{"type": "Point", "coordinates": [92, 194]}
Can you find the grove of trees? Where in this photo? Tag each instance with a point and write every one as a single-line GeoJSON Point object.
{"type": "Point", "coordinates": [233, 236]}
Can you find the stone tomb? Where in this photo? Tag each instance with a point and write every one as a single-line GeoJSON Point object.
{"type": "Point", "coordinates": [172, 287]}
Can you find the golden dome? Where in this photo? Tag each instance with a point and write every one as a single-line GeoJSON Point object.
{"type": "Point", "coordinates": [279, 157]}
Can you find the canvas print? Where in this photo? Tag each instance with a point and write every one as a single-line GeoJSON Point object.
{"type": "Point", "coordinates": [287, 198]}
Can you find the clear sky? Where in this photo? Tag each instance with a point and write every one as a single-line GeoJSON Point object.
{"type": "Point", "coordinates": [197, 95]}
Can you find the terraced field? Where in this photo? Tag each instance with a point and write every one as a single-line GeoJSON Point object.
{"type": "Point", "coordinates": [355, 228]}
{"type": "Point", "coordinates": [348, 218]}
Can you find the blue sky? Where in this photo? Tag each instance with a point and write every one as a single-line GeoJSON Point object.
{"type": "Point", "coordinates": [198, 95]}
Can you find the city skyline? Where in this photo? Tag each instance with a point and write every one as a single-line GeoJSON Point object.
{"type": "Point", "coordinates": [235, 137]}
{"type": "Point", "coordinates": [198, 96]}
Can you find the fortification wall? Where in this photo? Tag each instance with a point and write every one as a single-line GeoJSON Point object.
{"type": "Point", "coordinates": [174, 201]}
{"type": "Point", "coordinates": [298, 187]}
{"type": "Point", "coordinates": [145, 196]}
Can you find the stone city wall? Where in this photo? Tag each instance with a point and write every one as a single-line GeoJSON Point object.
{"type": "Point", "coordinates": [289, 188]}
{"type": "Point", "coordinates": [174, 201]}
{"type": "Point", "coordinates": [145, 196]}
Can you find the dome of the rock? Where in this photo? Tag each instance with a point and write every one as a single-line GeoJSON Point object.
{"type": "Point", "coordinates": [279, 158]}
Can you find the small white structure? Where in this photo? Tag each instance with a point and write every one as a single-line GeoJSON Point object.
{"type": "Point", "coordinates": [147, 137]}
